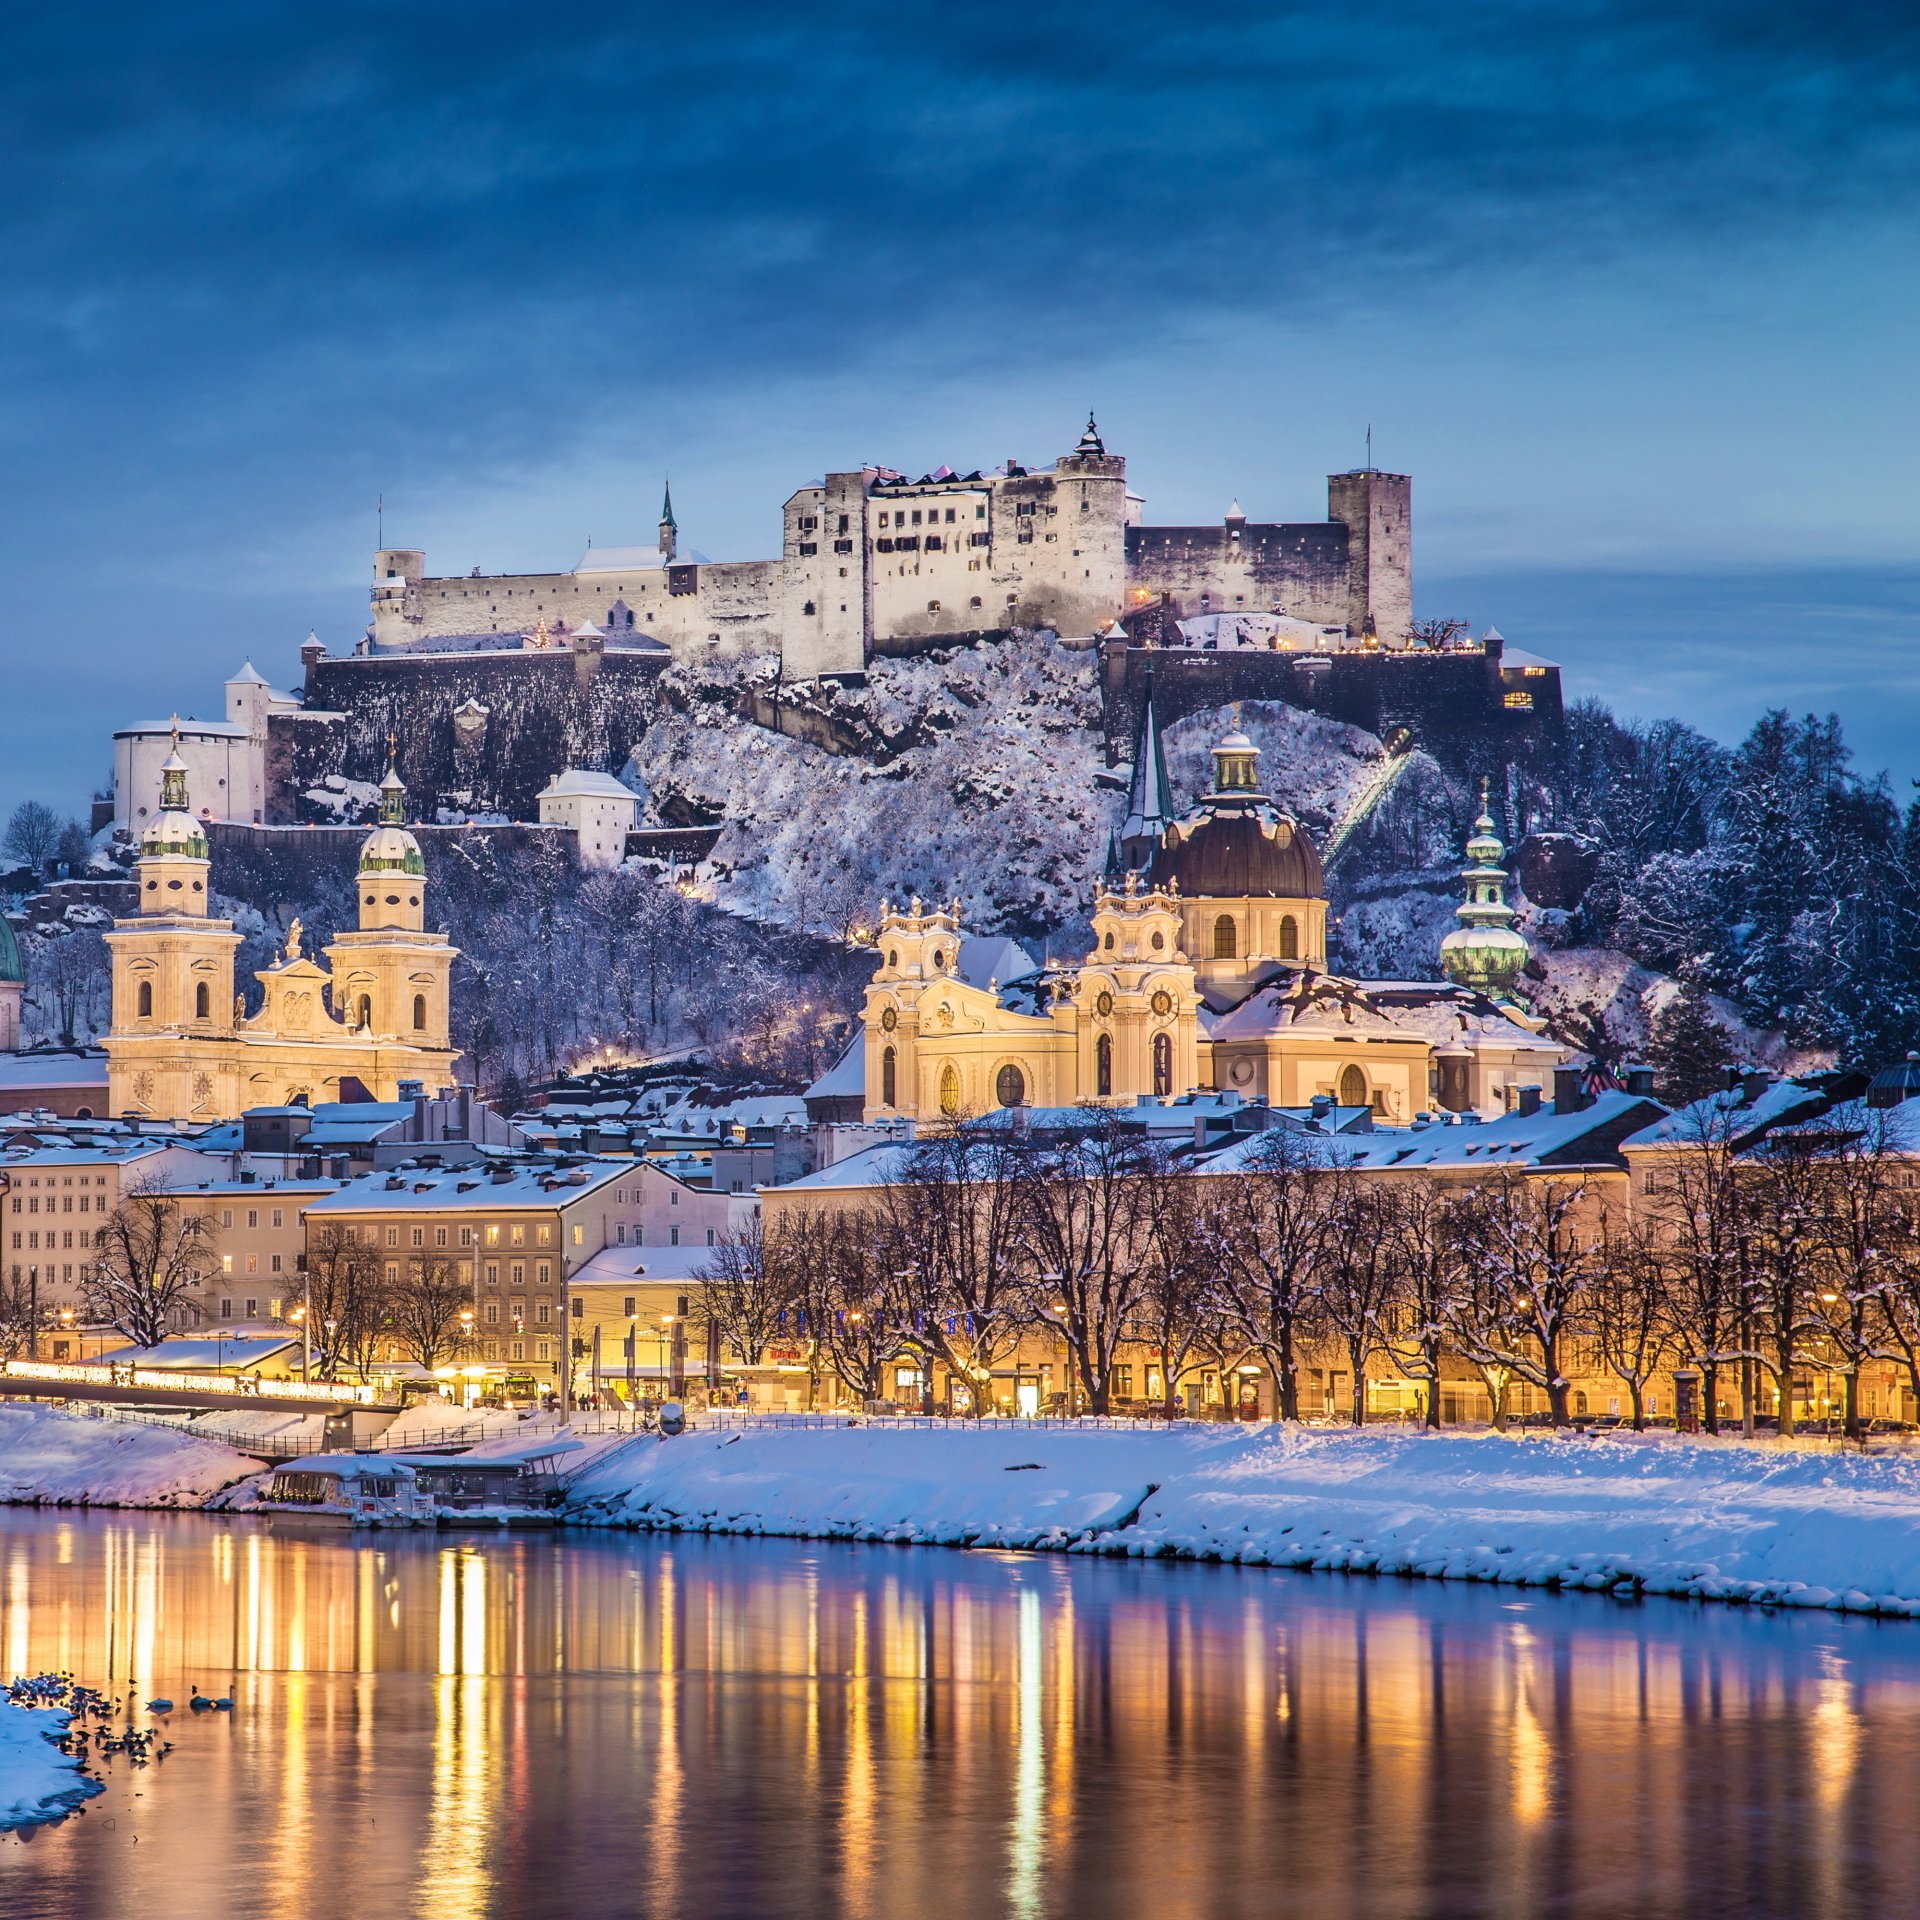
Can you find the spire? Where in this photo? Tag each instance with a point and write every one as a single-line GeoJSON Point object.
{"type": "Point", "coordinates": [1090, 441]}
{"type": "Point", "coordinates": [393, 795]}
{"type": "Point", "coordinates": [1484, 951]}
{"type": "Point", "coordinates": [1149, 796]}
{"type": "Point", "coordinates": [669, 528]}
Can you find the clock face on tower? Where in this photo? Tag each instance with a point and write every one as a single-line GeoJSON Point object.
{"type": "Point", "coordinates": [1163, 1002]}
{"type": "Point", "coordinates": [1104, 1004]}
{"type": "Point", "coordinates": [889, 1020]}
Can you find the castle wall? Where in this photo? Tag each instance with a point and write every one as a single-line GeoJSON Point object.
{"type": "Point", "coordinates": [1297, 570]}
{"type": "Point", "coordinates": [476, 732]}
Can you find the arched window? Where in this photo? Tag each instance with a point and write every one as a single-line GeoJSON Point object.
{"type": "Point", "coordinates": [201, 1001]}
{"type": "Point", "coordinates": [143, 1001]}
{"type": "Point", "coordinates": [1289, 937]}
{"type": "Point", "coordinates": [1353, 1087]}
{"type": "Point", "coordinates": [1103, 1065]}
{"type": "Point", "coordinates": [893, 959]}
{"type": "Point", "coordinates": [1010, 1087]}
{"type": "Point", "coordinates": [949, 1089]}
{"type": "Point", "coordinates": [363, 1011]}
{"type": "Point", "coordinates": [1226, 938]}
{"type": "Point", "coordinates": [1163, 1063]}
{"type": "Point", "coordinates": [889, 1079]}
{"type": "Point", "coordinates": [419, 1013]}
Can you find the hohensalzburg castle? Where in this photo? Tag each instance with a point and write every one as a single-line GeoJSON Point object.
{"type": "Point", "coordinates": [874, 561]}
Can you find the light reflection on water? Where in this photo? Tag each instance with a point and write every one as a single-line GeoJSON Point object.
{"type": "Point", "coordinates": [453, 1726]}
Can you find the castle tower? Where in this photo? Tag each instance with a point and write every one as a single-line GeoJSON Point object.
{"type": "Point", "coordinates": [1137, 999]}
{"type": "Point", "coordinates": [669, 531]}
{"type": "Point", "coordinates": [1149, 796]}
{"type": "Point", "coordinates": [391, 978]}
{"type": "Point", "coordinates": [1377, 511]}
{"type": "Point", "coordinates": [1484, 952]}
{"type": "Point", "coordinates": [172, 971]}
{"type": "Point", "coordinates": [1088, 558]}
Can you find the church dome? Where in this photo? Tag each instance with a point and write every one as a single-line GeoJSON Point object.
{"type": "Point", "coordinates": [1237, 843]}
{"type": "Point", "coordinates": [1239, 852]}
{"type": "Point", "coordinates": [390, 848]}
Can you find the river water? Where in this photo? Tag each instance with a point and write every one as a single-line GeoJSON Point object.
{"type": "Point", "coordinates": [580, 1725]}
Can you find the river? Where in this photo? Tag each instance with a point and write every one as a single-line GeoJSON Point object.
{"type": "Point", "coordinates": [567, 1724]}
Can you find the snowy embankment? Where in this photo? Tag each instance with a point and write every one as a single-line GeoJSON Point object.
{"type": "Point", "coordinates": [48, 1458]}
{"type": "Point", "coordinates": [37, 1781]}
{"type": "Point", "coordinates": [1658, 1515]}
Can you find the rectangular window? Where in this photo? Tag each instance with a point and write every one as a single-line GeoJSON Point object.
{"type": "Point", "coordinates": [253, 1263]}
{"type": "Point", "coordinates": [517, 1273]}
{"type": "Point", "coordinates": [226, 1216]}
{"type": "Point", "coordinates": [544, 1272]}
{"type": "Point", "coordinates": [393, 1236]}
{"type": "Point", "coordinates": [253, 1216]}
{"type": "Point", "coordinates": [226, 1263]}
{"type": "Point", "coordinates": [466, 1236]}
{"type": "Point", "coordinates": [545, 1235]}
{"type": "Point", "coordinates": [439, 1236]}
{"type": "Point", "coordinates": [226, 1309]}
{"type": "Point", "coordinates": [673, 1236]}
{"type": "Point", "coordinates": [493, 1236]}
{"type": "Point", "coordinates": [493, 1313]}
{"type": "Point", "coordinates": [579, 1235]}
{"type": "Point", "coordinates": [493, 1273]}
{"type": "Point", "coordinates": [620, 1233]}
{"type": "Point", "coordinates": [279, 1217]}
{"type": "Point", "coordinates": [274, 1263]}
{"type": "Point", "coordinates": [253, 1309]}
{"type": "Point", "coordinates": [419, 1236]}
{"type": "Point", "coordinates": [808, 548]}
{"type": "Point", "coordinates": [627, 1306]}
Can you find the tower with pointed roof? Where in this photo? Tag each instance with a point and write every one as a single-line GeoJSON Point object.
{"type": "Point", "coordinates": [1149, 796]}
{"type": "Point", "coordinates": [669, 529]}
{"type": "Point", "coordinates": [1484, 951]}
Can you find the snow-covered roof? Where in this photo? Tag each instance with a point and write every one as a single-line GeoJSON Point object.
{"type": "Point", "coordinates": [1440, 1015]}
{"type": "Point", "coordinates": [82, 1156]}
{"type": "Point", "coordinates": [248, 676]}
{"type": "Point", "coordinates": [692, 1118]}
{"type": "Point", "coordinates": [198, 1356]}
{"type": "Point", "coordinates": [535, 1184]}
{"type": "Point", "coordinates": [871, 1167]}
{"type": "Point", "coordinates": [1515, 1140]}
{"type": "Point", "coordinates": [188, 730]}
{"type": "Point", "coordinates": [1732, 1116]}
{"type": "Point", "coordinates": [350, 1466]}
{"type": "Point", "coordinates": [576, 782]}
{"type": "Point", "coordinates": [621, 560]}
{"type": "Point", "coordinates": [509, 1453]}
{"type": "Point", "coordinates": [986, 958]}
{"type": "Point", "coordinates": [623, 1266]}
{"type": "Point", "coordinates": [53, 1070]}
{"type": "Point", "coordinates": [848, 1074]}
{"type": "Point", "coordinates": [1519, 657]}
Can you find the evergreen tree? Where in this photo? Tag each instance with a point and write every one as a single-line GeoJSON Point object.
{"type": "Point", "coordinates": [1687, 1047]}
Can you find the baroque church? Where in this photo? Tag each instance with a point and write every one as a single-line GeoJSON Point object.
{"type": "Point", "coordinates": [1208, 972]}
{"type": "Point", "coordinates": [182, 1045]}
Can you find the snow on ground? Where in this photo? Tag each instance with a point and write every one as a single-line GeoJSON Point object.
{"type": "Point", "coordinates": [1712, 1520]}
{"type": "Point", "coordinates": [63, 1459]}
{"type": "Point", "coordinates": [37, 1781]}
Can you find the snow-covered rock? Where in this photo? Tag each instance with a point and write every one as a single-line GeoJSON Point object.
{"type": "Point", "coordinates": [61, 1459]}
{"type": "Point", "coordinates": [37, 1781]}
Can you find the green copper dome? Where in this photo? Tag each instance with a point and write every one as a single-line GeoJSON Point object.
{"type": "Point", "coordinates": [390, 848]}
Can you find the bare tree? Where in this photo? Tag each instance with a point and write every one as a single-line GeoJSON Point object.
{"type": "Point", "coordinates": [22, 1315]}
{"type": "Point", "coordinates": [1865, 1229]}
{"type": "Point", "coordinates": [32, 834]}
{"type": "Point", "coordinates": [1178, 1313]}
{"type": "Point", "coordinates": [1358, 1274]}
{"type": "Point", "coordinates": [150, 1260]}
{"type": "Point", "coordinates": [745, 1297]}
{"type": "Point", "coordinates": [346, 1303]}
{"type": "Point", "coordinates": [1081, 1225]}
{"type": "Point", "coordinates": [1273, 1222]}
{"type": "Point", "coordinates": [423, 1312]}
{"type": "Point", "coordinates": [1631, 1308]}
{"type": "Point", "coordinates": [953, 1218]}
{"type": "Point", "coordinates": [1424, 1246]}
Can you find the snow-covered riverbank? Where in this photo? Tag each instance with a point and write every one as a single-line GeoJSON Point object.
{"type": "Point", "coordinates": [1715, 1520]}
{"type": "Point", "coordinates": [37, 1781]}
{"type": "Point", "coordinates": [1712, 1520]}
{"type": "Point", "coordinates": [49, 1458]}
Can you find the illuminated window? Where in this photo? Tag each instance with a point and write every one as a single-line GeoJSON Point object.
{"type": "Point", "coordinates": [1103, 1065]}
{"type": "Point", "coordinates": [1226, 938]}
{"type": "Point", "coordinates": [1163, 1063]}
{"type": "Point", "coordinates": [1520, 702]}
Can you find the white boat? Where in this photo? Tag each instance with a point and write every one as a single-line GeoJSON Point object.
{"type": "Point", "coordinates": [358, 1490]}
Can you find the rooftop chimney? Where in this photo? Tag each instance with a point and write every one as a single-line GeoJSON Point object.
{"type": "Point", "coordinates": [1569, 1096]}
{"type": "Point", "coordinates": [1640, 1082]}
{"type": "Point", "coordinates": [1526, 1102]}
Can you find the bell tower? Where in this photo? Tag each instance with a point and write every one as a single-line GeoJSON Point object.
{"type": "Point", "coordinates": [392, 979]}
{"type": "Point", "coordinates": [172, 969]}
{"type": "Point", "coordinates": [1137, 999]}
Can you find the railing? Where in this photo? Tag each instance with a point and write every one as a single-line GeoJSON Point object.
{"type": "Point", "coordinates": [163, 1380]}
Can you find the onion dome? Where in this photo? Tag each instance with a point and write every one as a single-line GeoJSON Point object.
{"type": "Point", "coordinates": [1484, 952]}
{"type": "Point", "coordinates": [1238, 843]}
{"type": "Point", "coordinates": [390, 848]}
{"type": "Point", "coordinates": [173, 831]}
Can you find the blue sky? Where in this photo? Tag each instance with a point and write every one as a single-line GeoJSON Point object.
{"type": "Point", "coordinates": [1628, 293]}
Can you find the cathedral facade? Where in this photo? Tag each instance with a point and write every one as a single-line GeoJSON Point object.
{"type": "Point", "coordinates": [182, 1046]}
{"type": "Point", "coordinates": [1207, 972]}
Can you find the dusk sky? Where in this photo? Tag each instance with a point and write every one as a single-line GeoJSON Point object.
{"type": "Point", "coordinates": [1628, 290]}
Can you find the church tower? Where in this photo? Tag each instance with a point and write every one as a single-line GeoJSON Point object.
{"type": "Point", "coordinates": [1484, 952]}
{"type": "Point", "coordinates": [669, 532]}
{"type": "Point", "coordinates": [1138, 1004]}
{"type": "Point", "coordinates": [391, 978]}
{"type": "Point", "coordinates": [172, 971]}
{"type": "Point", "coordinates": [1149, 797]}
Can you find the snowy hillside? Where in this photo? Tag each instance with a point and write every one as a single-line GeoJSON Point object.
{"type": "Point", "coordinates": [977, 775]}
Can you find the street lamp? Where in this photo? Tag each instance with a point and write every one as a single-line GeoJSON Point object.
{"type": "Point", "coordinates": [666, 1325]}
{"type": "Point", "coordinates": [299, 1314]}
